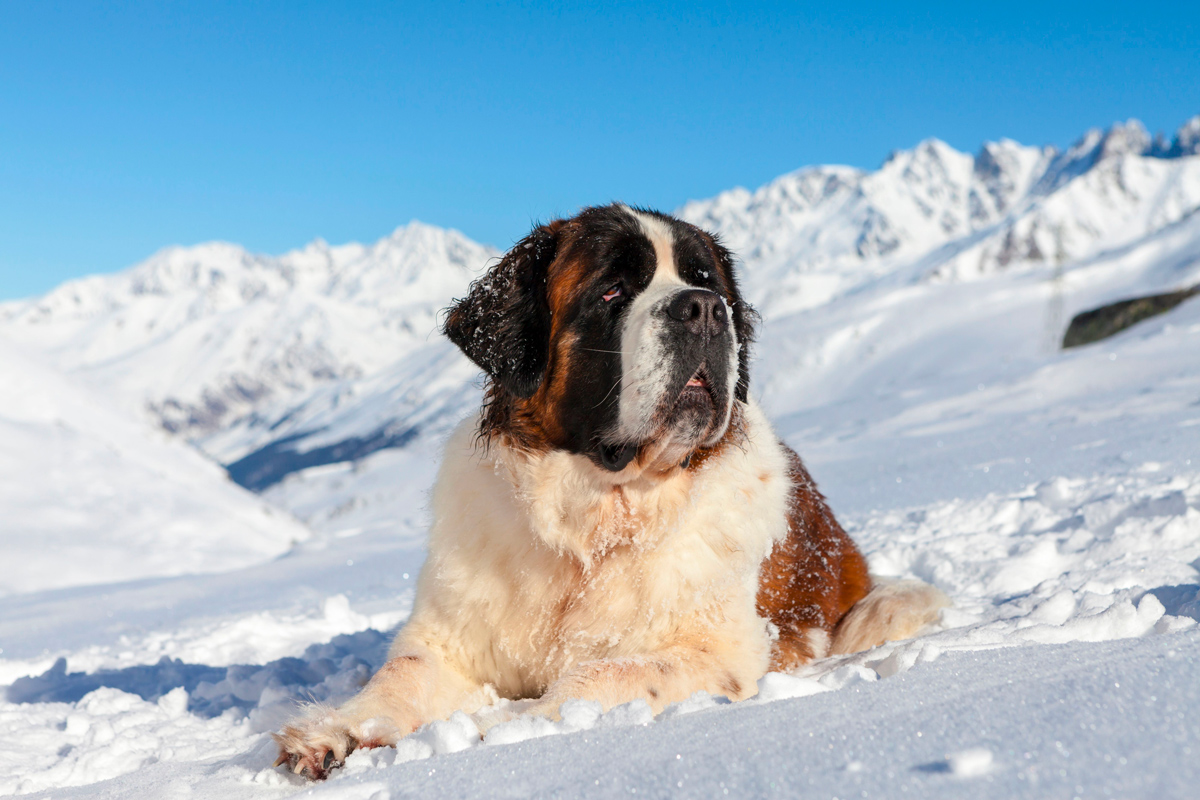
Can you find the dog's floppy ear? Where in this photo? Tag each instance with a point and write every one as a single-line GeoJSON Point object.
{"type": "Point", "coordinates": [503, 324]}
{"type": "Point", "coordinates": [745, 324]}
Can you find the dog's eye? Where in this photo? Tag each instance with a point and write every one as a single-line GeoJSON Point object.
{"type": "Point", "coordinates": [612, 294]}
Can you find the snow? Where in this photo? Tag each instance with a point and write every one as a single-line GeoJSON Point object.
{"type": "Point", "coordinates": [1082, 720]}
{"type": "Point", "coordinates": [970, 763]}
{"type": "Point", "coordinates": [157, 623]}
{"type": "Point", "coordinates": [109, 733]}
{"type": "Point", "coordinates": [195, 337]}
{"type": "Point", "coordinates": [91, 496]}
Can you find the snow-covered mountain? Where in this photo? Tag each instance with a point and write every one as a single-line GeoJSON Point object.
{"type": "Point", "coordinates": [90, 495]}
{"type": "Point", "coordinates": [934, 212]}
{"type": "Point", "coordinates": [841, 300]}
{"type": "Point", "coordinates": [199, 337]}
{"type": "Point", "coordinates": [910, 352]}
{"type": "Point", "coordinates": [326, 355]}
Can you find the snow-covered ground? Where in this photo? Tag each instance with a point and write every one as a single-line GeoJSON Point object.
{"type": "Point", "coordinates": [157, 623]}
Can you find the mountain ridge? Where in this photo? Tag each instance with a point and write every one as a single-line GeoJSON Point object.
{"type": "Point", "coordinates": [250, 328]}
{"type": "Point", "coordinates": [1098, 267]}
{"type": "Point", "coordinates": [274, 358]}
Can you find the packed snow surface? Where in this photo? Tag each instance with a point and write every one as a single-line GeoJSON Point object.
{"type": "Point", "coordinates": [157, 620]}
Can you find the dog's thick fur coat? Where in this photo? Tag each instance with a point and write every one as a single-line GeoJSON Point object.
{"type": "Point", "coordinates": [661, 544]}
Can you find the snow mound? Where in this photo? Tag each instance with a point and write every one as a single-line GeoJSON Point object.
{"type": "Point", "coordinates": [108, 733]}
{"type": "Point", "coordinates": [92, 496]}
{"type": "Point", "coordinates": [1065, 560]}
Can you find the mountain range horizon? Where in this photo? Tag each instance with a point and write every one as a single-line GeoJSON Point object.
{"type": "Point", "coordinates": [326, 354]}
{"type": "Point", "coordinates": [1128, 136]}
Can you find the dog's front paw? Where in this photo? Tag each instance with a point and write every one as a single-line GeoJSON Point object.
{"type": "Point", "coordinates": [313, 745]}
{"type": "Point", "coordinates": [317, 743]}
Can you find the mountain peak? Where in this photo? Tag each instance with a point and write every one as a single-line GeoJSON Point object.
{"type": "Point", "coordinates": [1129, 138]}
{"type": "Point", "coordinates": [414, 227]}
{"type": "Point", "coordinates": [935, 146]}
{"type": "Point", "coordinates": [1119, 139]}
{"type": "Point", "coordinates": [926, 150]}
{"type": "Point", "coordinates": [1187, 139]}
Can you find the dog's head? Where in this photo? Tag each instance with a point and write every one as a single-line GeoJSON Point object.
{"type": "Point", "coordinates": [618, 334]}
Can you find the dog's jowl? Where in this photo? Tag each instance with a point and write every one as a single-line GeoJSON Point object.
{"type": "Point", "coordinates": [619, 521]}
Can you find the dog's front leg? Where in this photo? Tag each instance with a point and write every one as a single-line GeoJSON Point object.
{"type": "Point", "coordinates": [659, 678]}
{"type": "Point", "coordinates": [414, 687]}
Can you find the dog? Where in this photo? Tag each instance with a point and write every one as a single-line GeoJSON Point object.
{"type": "Point", "coordinates": [619, 521]}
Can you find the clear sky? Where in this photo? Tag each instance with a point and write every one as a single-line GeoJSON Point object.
{"type": "Point", "coordinates": [125, 127]}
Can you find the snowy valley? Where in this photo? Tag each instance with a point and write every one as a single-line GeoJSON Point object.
{"type": "Point", "coordinates": [215, 467]}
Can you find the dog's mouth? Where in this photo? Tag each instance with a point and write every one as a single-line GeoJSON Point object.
{"type": "Point", "coordinates": [698, 387]}
{"type": "Point", "coordinates": [687, 419]}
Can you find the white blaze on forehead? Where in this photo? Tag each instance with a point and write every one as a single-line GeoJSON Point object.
{"type": "Point", "coordinates": [663, 239]}
{"type": "Point", "coordinates": [645, 368]}
{"type": "Point", "coordinates": [645, 365]}
{"type": "Point", "coordinates": [646, 362]}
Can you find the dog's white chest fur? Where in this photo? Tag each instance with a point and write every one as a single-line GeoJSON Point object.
{"type": "Point", "coordinates": [537, 563]}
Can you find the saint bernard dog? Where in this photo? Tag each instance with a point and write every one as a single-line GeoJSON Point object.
{"type": "Point", "coordinates": [619, 521]}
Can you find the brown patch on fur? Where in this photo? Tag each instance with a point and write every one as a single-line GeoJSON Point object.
{"type": "Point", "coordinates": [532, 424]}
{"type": "Point", "coordinates": [524, 423]}
{"type": "Point", "coordinates": [548, 401]}
{"type": "Point", "coordinates": [568, 273]}
{"type": "Point", "coordinates": [731, 686]}
{"type": "Point", "coordinates": [502, 419]}
{"type": "Point", "coordinates": [813, 577]}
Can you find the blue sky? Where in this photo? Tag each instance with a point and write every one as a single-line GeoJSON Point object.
{"type": "Point", "coordinates": [125, 127]}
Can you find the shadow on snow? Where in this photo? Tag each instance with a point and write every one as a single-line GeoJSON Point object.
{"type": "Point", "coordinates": [267, 693]}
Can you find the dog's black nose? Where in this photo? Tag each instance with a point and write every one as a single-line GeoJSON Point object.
{"type": "Point", "coordinates": [701, 311]}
